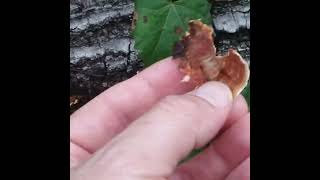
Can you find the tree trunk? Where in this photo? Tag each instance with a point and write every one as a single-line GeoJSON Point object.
{"type": "Point", "coordinates": [101, 49]}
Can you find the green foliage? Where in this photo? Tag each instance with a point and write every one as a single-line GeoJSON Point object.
{"type": "Point", "coordinates": [246, 94]}
{"type": "Point", "coordinates": [160, 23]}
{"type": "Point", "coordinates": [194, 153]}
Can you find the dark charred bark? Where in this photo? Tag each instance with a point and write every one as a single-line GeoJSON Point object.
{"type": "Point", "coordinates": [231, 19]}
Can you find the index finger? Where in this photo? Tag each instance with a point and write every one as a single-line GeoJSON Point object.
{"type": "Point", "coordinates": [110, 112]}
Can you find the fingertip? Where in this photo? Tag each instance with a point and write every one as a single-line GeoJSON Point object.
{"type": "Point", "coordinates": [238, 110]}
{"type": "Point", "coordinates": [242, 172]}
{"type": "Point", "coordinates": [242, 102]}
{"type": "Point", "coordinates": [216, 93]}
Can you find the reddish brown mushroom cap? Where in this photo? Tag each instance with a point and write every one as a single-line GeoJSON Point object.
{"type": "Point", "coordinates": [200, 64]}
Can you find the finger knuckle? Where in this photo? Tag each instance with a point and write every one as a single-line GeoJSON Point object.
{"type": "Point", "coordinates": [180, 104]}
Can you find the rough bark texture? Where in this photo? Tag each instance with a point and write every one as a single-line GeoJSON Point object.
{"type": "Point", "coordinates": [231, 21]}
{"type": "Point", "coordinates": [101, 49]}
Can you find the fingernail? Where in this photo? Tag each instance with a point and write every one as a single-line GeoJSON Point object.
{"type": "Point", "coordinates": [216, 93]}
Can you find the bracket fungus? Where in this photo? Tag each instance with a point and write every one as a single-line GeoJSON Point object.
{"type": "Point", "coordinates": [200, 63]}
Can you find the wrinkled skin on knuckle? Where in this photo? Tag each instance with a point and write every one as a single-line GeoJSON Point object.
{"type": "Point", "coordinates": [182, 105]}
{"type": "Point", "coordinates": [184, 108]}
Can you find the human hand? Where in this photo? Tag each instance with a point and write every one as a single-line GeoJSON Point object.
{"type": "Point", "coordinates": [142, 128]}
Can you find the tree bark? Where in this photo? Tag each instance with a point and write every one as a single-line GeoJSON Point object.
{"type": "Point", "coordinates": [101, 48]}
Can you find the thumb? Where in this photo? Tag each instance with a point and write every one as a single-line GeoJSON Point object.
{"type": "Point", "coordinates": [152, 146]}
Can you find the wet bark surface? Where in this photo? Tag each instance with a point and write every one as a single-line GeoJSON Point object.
{"type": "Point", "coordinates": [102, 51]}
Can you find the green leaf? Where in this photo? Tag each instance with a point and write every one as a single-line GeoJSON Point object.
{"type": "Point", "coordinates": [246, 93]}
{"type": "Point", "coordinates": [161, 23]}
{"type": "Point", "coordinates": [194, 153]}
